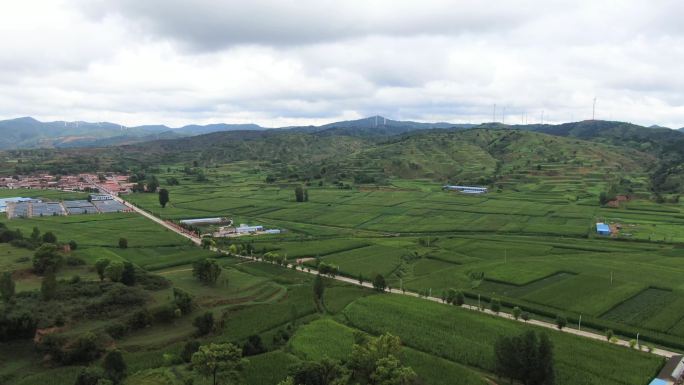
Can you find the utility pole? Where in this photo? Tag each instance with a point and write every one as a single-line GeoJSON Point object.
{"type": "Point", "coordinates": [579, 325]}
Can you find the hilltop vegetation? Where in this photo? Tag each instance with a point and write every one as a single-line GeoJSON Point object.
{"type": "Point", "coordinates": [625, 157]}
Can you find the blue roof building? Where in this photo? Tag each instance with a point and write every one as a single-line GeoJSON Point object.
{"type": "Point", "coordinates": [658, 381]}
{"type": "Point", "coordinates": [602, 229]}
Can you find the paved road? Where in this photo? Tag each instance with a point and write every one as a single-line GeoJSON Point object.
{"type": "Point", "coordinates": [195, 239]}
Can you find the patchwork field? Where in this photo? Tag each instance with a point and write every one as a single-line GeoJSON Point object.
{"type": "Point", "coordinates": [534, 247]}
{"type": "Point", "coordinates": [531, 246]}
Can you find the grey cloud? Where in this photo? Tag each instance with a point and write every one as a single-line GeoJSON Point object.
{"type": "Point", "coordinates": [210, 25]}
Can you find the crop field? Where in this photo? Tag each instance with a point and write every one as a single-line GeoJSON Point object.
{"type": "Point", "coordinates": [328, 338]}
{"type": "Point", "coordinates": [533, 244]}
{"type": "Point", "coordinates": [467, 338]}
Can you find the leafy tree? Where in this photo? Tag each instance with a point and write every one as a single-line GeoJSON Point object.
{"type": "Point", "coordinates": [152, 184]}
{"type": "Point", "coordinates": [324, 372]}
{"type": "Point", "coordinates": [163, 197]}
{"type": "Point", "coordinates": [47, 257]}
{"type": "Point", "coordinates": [49, 237]}
{"type": "Point", "coordinates": [516, 312]}
{"type": "Point", "coordinates": [328, 269]}
{"type": "Point", "coordinates": [204, 323]}
{"type": "Point", "coordinates": [114, 366]}
{"type": "Point", "coordinates": [35, 235]}
{"type": "Point", "coordinates": [172, 181]}
{"type": "Point", "coordinates": [208, 243]}
{"type": "Point", "coordinates": [318, 289]}
{"type": "Point", "coordinates": [100, 266]}
{"type": "Point", "coordinates": [7, 286]}
{"type": "Point", "coordinates": [183, 300]}
{"type": "Point", "coordinates": [114, 271]}
{"type": "Point", "coordinates": [366, 354]}
{"type": "Point", "coordinates": [525, 316]}
{"type": "Point", "coordinates": [89, 376]}
{"type": "Point", "coordinates": [545, 372]}
{"type": "Point", "coordinates": [300, 194]}
{"type": "Point", "coordinates": [219, 361]}
{"type": "Point", "coordinates": [73, 245]}
{"type": "Point", "coordinates": [390, 371]}
{"type": "Point", "coordinates": [379, 283]}
{"type": "Point", "coordinates": [561, 322]}
{"type": "Point", "coordinates": [190, 348]}
{"type": "Point", "coordinates": [206, 270]}
{"type": "Point", "coordinates": [123, 243]}
{"type": "Point", "coordinates": [253, 346]}
{"type": "Point", "coordinates": [609, 335]}
{"type": "Point", "coordinates": [128, 274]}
{"type": "Point", "coordinates": [460, 299]}
{"type": "Point", "coordinates": [48, 286]}
{"type": "Point", "coordinates": [495, 306]}
{"type": "Point", "coordinates": [526, 358]}
{"type": "Point", "coordinates": [287, 381]}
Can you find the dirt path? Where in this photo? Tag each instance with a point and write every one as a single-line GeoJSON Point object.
{"type": "Point", "coordinates": [548, 325]}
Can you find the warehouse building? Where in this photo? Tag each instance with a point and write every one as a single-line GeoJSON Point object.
{"type": "Point", "coordinates": [244, 229]}
{"type": "Point", "coordinates": [100, 197]}
{"type": "Point", "coordinates": [204, 221]}
{"type": "Point", "coordinates": [602, 229]}
{"type": "Point", "coordinates": [466, 189]}
{"type": "Point", "coordinates": [5, 201]}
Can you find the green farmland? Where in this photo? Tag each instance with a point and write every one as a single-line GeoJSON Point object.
{"type": "Point", "coordinates": [534, 249]}
{"type": "Point", "coordinates": [529, 243]}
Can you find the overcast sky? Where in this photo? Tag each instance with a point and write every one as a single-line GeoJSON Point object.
{"type": "Point", "coordinates": [286, 62]}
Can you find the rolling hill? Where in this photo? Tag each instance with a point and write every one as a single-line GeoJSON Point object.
{"type": "Point", "coordinates": [591, 152]}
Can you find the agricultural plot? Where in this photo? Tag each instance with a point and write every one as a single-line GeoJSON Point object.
{"type": "Point", "coordinates": [638, 309]}
{"type": "Point", "coordinates": [367, 260]}
{"type": "Point", "coordinates": [467, 338]}
{"type": "Point", "coordinates": [299, 249]}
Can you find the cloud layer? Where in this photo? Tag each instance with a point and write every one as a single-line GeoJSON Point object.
{"type": "Point", "coordinates": [291, 62]}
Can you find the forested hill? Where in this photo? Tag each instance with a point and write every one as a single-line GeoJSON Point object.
{"type": "Point", "coordinates": [488, 153]}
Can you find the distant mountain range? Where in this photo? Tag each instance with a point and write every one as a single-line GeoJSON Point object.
{"type": "Point", "coordinates": [27, 132]}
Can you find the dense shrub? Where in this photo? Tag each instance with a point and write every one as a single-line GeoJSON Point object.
{"type": "Point", "coordinates": [189, 349]}
{"type": "Point", "coordinates": [67, 350]}
{"type": "Point", "coordinates": [47, 257]}
{"type": "Point", "coordinates": [16, 324]}
{"type": "Point", "coordinates": [164, 314]}
{"type": "Point", "coordinates": [117, 330]}
{"type": "Point", "coordinates": [140, 319]}
{"type": "Point", "coordinates": [204, 323]}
